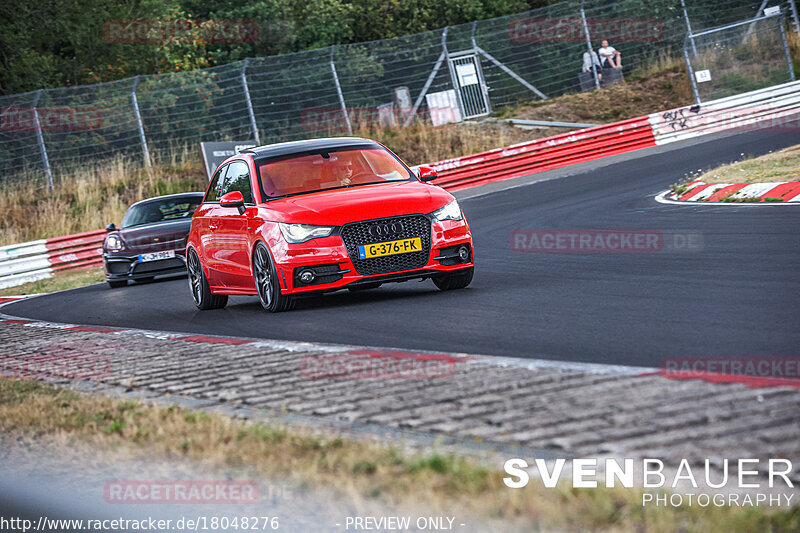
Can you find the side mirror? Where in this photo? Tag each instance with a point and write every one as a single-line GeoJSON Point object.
{"type": "Point", "coordinates": [233, 199]}
{"type": "Point", "coordinates": [427, 173]}
{"type": "Point", "coordinates": [111, 227]}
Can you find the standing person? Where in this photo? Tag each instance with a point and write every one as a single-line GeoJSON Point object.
{"type": "Point", "coordinates": [591, 63]}
{"type": "Point", "coordinates": [609, 56]}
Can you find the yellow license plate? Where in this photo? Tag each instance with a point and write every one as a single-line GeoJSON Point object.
{"type": "Point", "coordinates": [379, 249]}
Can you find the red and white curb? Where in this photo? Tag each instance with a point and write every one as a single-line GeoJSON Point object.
{"type": "Point", "coordinates": [698, 192]}
{"type": "Point", "coordinates": [455, 358]}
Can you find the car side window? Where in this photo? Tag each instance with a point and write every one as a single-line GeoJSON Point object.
{"type": "Point", "coordinates": [238, 179]}
{"type": "Point", "coordinates": [217, 182]}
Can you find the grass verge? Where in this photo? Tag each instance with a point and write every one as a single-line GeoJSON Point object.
{"type": "Point", "coordinates": [29, 409]}
{"type": "Point", "coordinates": [783, 165]}
{"type": "Point", "coordinates": [70, 279]}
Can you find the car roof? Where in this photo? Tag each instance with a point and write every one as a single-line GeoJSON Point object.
{"type": "Point", "coordinates": [293, 147]}
{"type": "Point", "coordinates": [168, 196]}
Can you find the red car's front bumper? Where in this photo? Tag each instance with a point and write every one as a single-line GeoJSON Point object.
{"type": "Point", "coordinates": [333, 268]}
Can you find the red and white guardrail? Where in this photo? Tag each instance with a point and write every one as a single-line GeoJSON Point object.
{"type": "Point", "coordinates": [775, 107]}
{"type": "Point", "coordinates": [40, 259]}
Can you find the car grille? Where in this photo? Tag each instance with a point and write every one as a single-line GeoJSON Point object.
{"type": "Point", "coordinates": [119, 267]}
{"type": "Point", "coordinates": [357, 233]}
{"type": "Point", "coordinates": [162, 264]}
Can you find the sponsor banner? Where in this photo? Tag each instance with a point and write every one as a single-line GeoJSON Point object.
{"type": "Point", "coordinates": [570, 30]}
{"type": "Point", "coordinates": [51, 118]}
{"type": "Point", "coordinates": [214, 153]}
{"type": "Point", "coordinates": [187, 30]}
{"type": "Point", "coordinates": [180, 492]}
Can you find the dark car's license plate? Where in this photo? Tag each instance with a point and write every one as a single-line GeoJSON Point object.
{"type": "Point", "coordinates": [155, 256]}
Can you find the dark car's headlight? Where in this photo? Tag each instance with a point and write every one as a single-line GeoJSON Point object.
{"type": "Point", "coordinates": [297, 233]}
{"type": "Point", "coordinates": [451, 211]}
{"type": "Point", "coordinates": [114, 243]}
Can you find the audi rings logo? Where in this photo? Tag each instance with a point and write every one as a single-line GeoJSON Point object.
{"type": "Point", "coordinates": [384, 230]}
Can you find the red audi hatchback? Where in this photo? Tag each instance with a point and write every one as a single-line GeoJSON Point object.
{"type": "Point", "coordinates": [307, 217]}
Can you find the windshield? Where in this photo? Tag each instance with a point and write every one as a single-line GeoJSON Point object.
{"type": "Point", "coordinates": [162, 210]}
{"type": "Point", "coordinates": [318, 171]}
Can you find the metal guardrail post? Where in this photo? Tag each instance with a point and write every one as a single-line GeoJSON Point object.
{"type": "Point", "coordinates": [140, 126]}
{"type": "Point", "coordinates": [40, 140]}
{"type": "Point", "coordinates": [339, 92]}
{"type": "Point", "coordinates": [691, 75]}
{"type": "Point", "coordinates": [249, 103]}
{"type": "Point", "coordinates": [428, 82]}
{"type": "Point", "coordinates": [753, 25]}
{"type": "Point", "coordinates": [786, 49]}
{"type": "Point", "coordinates": [453, 77]}
{"type": "Point", "coordinates": [513, 74]}
{"type": "Point", "coordinates": [688, 27]}
{"type": "Point", "coordinates": [484, 87]}
{"type": "Point", "coordinates": [589, 44]}
{"type": "Point", "coordinates": [795, 19]}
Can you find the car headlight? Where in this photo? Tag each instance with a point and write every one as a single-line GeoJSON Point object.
{"type": "Point", "coordinates": [296, 233]}
{"type": "Point", "coordinates": [451, 211]}
{"type": "Point", "coordinates": [114, 243]}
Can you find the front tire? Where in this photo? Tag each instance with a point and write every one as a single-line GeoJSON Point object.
{"type": "Point", "coordinates": [457, 280]}
{"type": "Point", "coordinates": [267, 285]}
{"type": "Point", "coordinates": [116, 284]}
{"type": "Point", "coordinates": [198, 284]}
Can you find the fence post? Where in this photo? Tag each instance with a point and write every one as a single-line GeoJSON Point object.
{"type": "Point", "coordinates": [484, 87]}
{"type": "Point", "coordinates": [40, 140]}
{"type": "Point", "coordinates": [249, 102]}
{"type": "Point", "coordinates": [795, 19]}
{"type": "Point", "coordinates": [786, 49]}
{"type": "Point", "coordinates": [688, 27]}
{"type": "Point", "coordinates": [589, 44]}
{"type": "Point", "coordinates": [691, 75]}
{"type": "Point", "coordinates": [428, 82]}
{"type": "Point", "coordinates": [453, 78]}
{"type": "Point", "coordinates": [749, 31]}
{"type": "Point", "coordinates": [339, 92]}
{"type": "Point", "coordinates": [140, 126]}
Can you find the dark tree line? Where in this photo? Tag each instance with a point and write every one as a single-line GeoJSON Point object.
{"type": "Point", "coordinates": [56, 43]}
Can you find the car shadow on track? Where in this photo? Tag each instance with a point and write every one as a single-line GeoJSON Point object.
{"type": "Point", "coordinates": [345, 298]}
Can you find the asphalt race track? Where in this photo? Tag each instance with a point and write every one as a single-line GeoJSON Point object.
{"type": "Point", "coordinates": [736, 297]}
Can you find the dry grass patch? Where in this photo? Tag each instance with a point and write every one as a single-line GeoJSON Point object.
{"type": "Point", "coordinates": [375, 472]}
{"type": "Point", "coordinates": [663, 85]}
{"type": "Point", "coordinates": [783, 165]}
